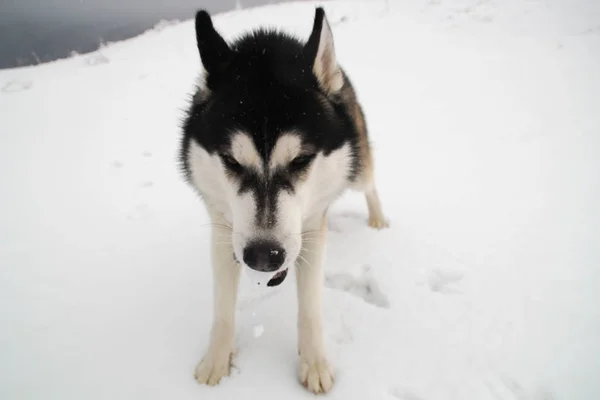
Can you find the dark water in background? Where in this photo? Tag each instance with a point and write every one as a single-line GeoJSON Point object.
{"type": "Point", "coordinates": [36, 31]}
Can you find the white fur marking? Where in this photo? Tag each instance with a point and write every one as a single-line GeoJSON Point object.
{"type": "Point", "coordinates": [244, 151]}
{"type": "Point", "coordinates": [288, 147]}
{"type": "Point", "coordinates": [327, 179]}
{"type": "Point", "coordinates": [209, 178]}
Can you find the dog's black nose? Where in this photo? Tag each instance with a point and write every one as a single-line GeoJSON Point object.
{"type": "Point", "coordinates": [264, 256]}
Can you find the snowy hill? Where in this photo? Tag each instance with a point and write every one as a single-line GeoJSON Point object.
{"type": "Point", "coordinates": [484, 117]}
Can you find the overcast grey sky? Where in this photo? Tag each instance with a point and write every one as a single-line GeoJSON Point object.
{"type": "Point", "coordinates": [45, 30]}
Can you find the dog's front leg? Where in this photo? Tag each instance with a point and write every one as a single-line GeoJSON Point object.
{"type": "Point", "coordinates": [316, 373]}
{"type": "Point", "coordinates": [226, 274]}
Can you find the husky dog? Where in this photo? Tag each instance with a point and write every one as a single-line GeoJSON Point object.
{"type": "Point", "coordinates": [274, 134]}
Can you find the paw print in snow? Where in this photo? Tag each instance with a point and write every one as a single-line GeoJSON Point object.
{"type": "Point", "coordinates": [16, 86]}
{"type": "Point", "coordinates": [445, 281]}
{"type": "Point", "coordinates": [97, 59]}
{"type": "Point", "coordinates": [403, 394]}
{"type": "Point", "coordinates": [509, 389]}
{"type": "Point", "coordinates": [364, 287]}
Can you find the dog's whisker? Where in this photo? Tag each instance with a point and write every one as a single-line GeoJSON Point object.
{"type": "Point", "coordinates": [302, 258]}
{"type": "Point", "coordinates": [217, 225]}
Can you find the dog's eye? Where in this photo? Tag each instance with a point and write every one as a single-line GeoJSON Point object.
{"type": "Point", "coordinates": [301, 162]}
{"type": "Point", "coordinates": [230, 162]}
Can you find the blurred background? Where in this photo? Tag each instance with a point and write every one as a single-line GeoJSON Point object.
{"type": "Point", "coordinates": [37, 31]}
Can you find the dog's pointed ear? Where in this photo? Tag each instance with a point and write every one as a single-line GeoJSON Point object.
{"type": "Point", "coordinates": [319, 49]}
{"type": "Point", "coordinates": [214, 51]}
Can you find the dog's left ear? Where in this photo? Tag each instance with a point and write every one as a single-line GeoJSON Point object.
{"type": "Point", "coordinates": [320, 50]}
{"type": "Point", "coordinates": [214, 50]}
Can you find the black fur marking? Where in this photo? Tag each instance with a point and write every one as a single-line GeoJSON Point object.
{"type": "Point", "coordinates": [278, 278]}
{"type": "Point", "coordinates": [300, 163]}
{"type": "Point", "coordinates": [231, 164]}
{"type": "Point", "coordinates": [265, 193]}
{"type": "Point", "coordinates": [263, 84]}
{"type": "Point", "coordinates": [214, 51]}
{"type": "Point", "coordinates": [312, 44]}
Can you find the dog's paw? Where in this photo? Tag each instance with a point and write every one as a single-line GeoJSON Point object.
{"type": "Point", "coordinates": [213, 367]}
{"type": "Point", "coordinates": [316, 376]}
{"type": "Point", "coordinates": [378, 222]}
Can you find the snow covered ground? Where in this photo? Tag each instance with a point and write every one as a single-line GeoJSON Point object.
{"type": "Point", "coordinates": [485, 117]}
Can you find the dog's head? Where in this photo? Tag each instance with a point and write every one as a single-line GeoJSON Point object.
{"type": "Point", "coordinates": [268, 144]}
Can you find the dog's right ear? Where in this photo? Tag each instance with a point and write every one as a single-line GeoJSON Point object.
{"type": "Point", "coordinates": [319, 49]}
{"type": "Point", "coordinates": [214, 51]}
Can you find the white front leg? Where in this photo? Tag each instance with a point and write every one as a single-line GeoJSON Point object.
{"type": "Point", "coordinates": [315, 372]}
{"type": "Point", "coordinates": [226, 273]}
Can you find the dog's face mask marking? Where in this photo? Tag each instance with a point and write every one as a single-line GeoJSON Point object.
{"type": "Point", "coordinates": [266, 200]}
{"type": "Point", "coordinates": [270, 145]}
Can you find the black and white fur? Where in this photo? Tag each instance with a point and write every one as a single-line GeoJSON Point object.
{"type": "Point", "coordinates": [273, 136]}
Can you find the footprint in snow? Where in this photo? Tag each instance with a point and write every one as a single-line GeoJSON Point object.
{"type": "Point", "coordinates": [364, 287]}
{"type": "Point", "coordinates": [96, 59]}
{"type": "Point", "coordinates": [403, 394]}
{"type": "Point", "coordinates": [16, 86]}
{"type": "Point", "coordinates": [339, 21]}
{"type": "Point", "coordinates": [592, 30]}
{"type": "Point", "coordinates": [243, 304]}
{"type": "Point", "coordinates": [337, 222]}
{"type": "Point", "coordinates": [140, 211]}
{"type": "Point", "coordinates": [444, 281]}
{"type": "Point", "coordinates": [351, 215]}
{"type": "Point", "coordinates": [509, 389]}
